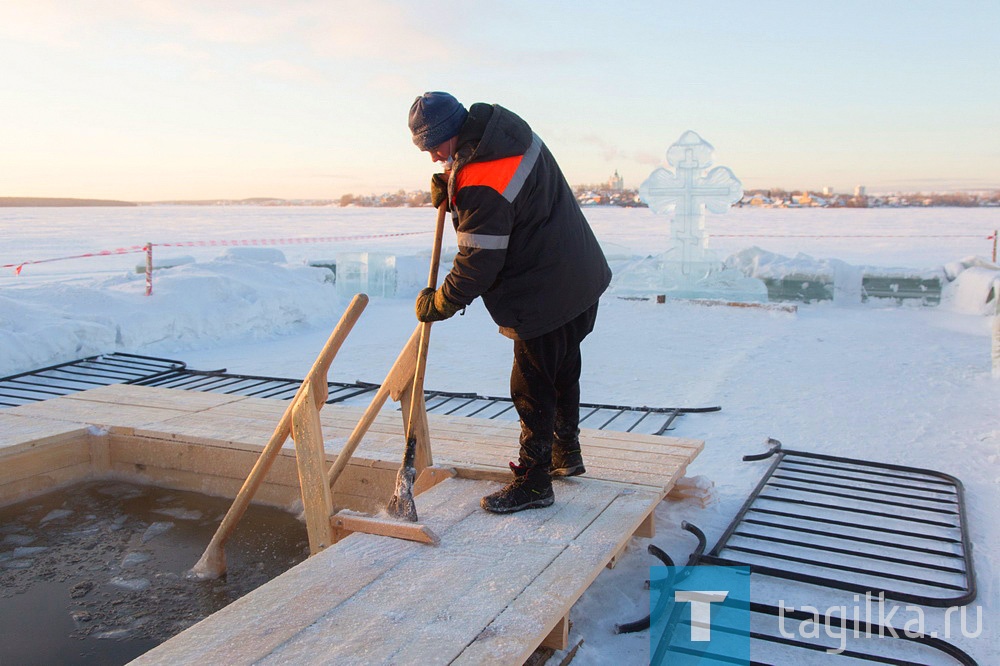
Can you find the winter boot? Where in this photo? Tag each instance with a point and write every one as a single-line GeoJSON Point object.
{"type": "Point", "coordinates": [530, 489]}
{"type": "Point", "coordinates": [567, 460]}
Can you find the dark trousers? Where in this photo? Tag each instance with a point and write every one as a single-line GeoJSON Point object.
{"type": "Point", "coordinates": [545, 387]}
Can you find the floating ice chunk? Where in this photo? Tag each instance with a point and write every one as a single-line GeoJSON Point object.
{"type": "Point", "coordinates": [133, 584]}
{"type": "Point", "coordinates": [180, 513]}
{"type": "Point", "coordinates": [121, 490]}
{"type": "Point", "coordinates": [28, 551]}
{"type": "Point", "coordinates": [56, 514]}
{"type": "Point", "coordinates": [114, 634]}
{"type": "Point", "coordinates": [155, 530]}
{"type": "Point", "coordinates": [18, 539]}
{"type": "Point", "coordinates": [134, 558]}
{"type": "Point", "coordinates": [18, 564]}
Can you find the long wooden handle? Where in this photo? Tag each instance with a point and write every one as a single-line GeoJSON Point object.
{"type": "Point", "coordinates": [432, 278]}
{"type": "Point", "coordinates": [425, 331]}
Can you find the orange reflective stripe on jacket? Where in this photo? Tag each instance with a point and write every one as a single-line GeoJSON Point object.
{"type": "Point", "coordinates": [495, 174]}
{"type": "Point", "coordinates": [506, 176]}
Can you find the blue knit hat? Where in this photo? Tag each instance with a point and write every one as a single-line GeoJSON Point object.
{"type": "Point", "coordinates": [435, 117]}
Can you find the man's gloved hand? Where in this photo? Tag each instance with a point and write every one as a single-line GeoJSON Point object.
{"type": "Point", "coordinates": [439, 189]}
{"type": "Point", "coordinates": [433, 306]}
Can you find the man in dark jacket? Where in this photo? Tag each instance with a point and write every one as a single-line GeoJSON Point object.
{"type": "Point", "coordinates": [525, 247]}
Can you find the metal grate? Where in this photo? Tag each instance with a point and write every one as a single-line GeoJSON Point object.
{"type": "Point", "coordinates": [854, 525]}
{"type": "Point", "coordinates": [786, 636]}
{"type": "Point", "coordinates": [148, 371]}
{"type": "Point", "coordinates": [80, 375]}
{"type": "Point", "coordinates": [623, 418]}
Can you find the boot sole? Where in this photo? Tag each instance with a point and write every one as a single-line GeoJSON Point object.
{"type": "Point", "coordinates": [576, 470]}
{"type": "Point", "coordinates": [534, 504]}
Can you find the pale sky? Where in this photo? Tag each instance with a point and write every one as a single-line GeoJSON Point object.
{"type": "Point", "coordinates": [188, 99]}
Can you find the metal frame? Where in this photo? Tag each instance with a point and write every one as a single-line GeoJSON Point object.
{"type": "Point", "coordinates": [82, 374]}
{"type": "Point", "coordinates": [117, 368]}
{"type": "Point", "coordinates": [813, 518]}
{"type": "Point", "coordinates": [793, 648]}
{"type": "Point", "coordinates": [648, 420]}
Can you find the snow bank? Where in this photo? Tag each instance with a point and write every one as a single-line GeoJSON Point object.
{"type": "Point", "coordinates": [759, 263]}
{"type": "Point", "coordinates": [974, 286]}
{"type": "Point", "coordinates": [247, 294]}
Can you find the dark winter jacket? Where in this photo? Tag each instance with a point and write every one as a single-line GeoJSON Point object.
{"type": "Point", "coordinates": [523, 242]}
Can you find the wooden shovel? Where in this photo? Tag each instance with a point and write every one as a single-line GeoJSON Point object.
{"type": "Point", "coordinates": [401, 505]}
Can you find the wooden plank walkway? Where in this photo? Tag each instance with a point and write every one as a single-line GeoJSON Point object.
{"type": "Point", "coordinates": [490, 593]}
{"type": "Point", "coordinates": [493, 590]}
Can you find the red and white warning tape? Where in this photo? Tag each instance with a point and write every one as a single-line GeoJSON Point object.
{"type": "Point", "coordinates": [211, 243]}
{"type": "Point", "coordinates": [284, 241]}
{"type": "Point", "coordinates": [101, 253]}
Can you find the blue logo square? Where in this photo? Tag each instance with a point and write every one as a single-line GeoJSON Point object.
{"type": "Point", "coordinates": [699, 615]}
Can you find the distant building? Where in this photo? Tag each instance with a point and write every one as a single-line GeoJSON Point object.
{"type": "Point", "coordinates": [616, 183]}
{"type": "Point", "coordinates": [827, 191]}
{"type": "Point", "coordinates": [859, 191]}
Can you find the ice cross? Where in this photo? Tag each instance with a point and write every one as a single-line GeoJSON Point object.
{"type": "Point", "coordinates": [689, 192]}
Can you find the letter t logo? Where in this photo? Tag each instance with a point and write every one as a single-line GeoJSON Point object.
{"type": "Point", "coordinates": [701, 610]}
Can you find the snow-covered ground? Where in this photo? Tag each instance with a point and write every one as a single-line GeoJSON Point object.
{"type": "Point", "coordinates": [878, 381]}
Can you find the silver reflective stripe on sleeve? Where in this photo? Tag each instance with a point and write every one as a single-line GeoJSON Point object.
{"type": "Point", "coordinates": [482, 241]}
{"type": "Point", "coordinates": [523, 169]}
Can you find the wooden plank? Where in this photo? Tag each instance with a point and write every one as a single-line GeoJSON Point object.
{"type": "Point", "coordinates": [491, 559]}
{"type": "Point", "coordinates": [269, 494]}
{"type": "Point", "coordinates": [416, 615]}
{"type": "Point", "coordinates": [363, 487]}
{"type": "Point", "coordinates": [607, 460]}
{"type": "Point", "coordinates": [153, 396]}
{"type": "Point", "coordinates": [554, 591]}
{"type": "Point", "coordinates": [215, 461]}
{"type": "Point", "coordinates": [213, 429]}
{"type": "Point", "coordinates": [647, 528]}
{"type": "Point", "coordinates": [348, 523]}
{"type": "Point", "coordinates": [18, 432]}
{"type": "Point", "coordinates": [66, 408]}
{"type": "Point", "coordinates": [316, 502]}
{"type": "Point", "coordinates": [43, 459]}
{"type": "Point", "coordinates": [100, 453]}
{"type": "Point", "coordinates": [431, 476]}
{"type": "Point", "coordinates": [467, 440]}
{"type": "Point", "coordinates": [558, 638]}
{"type": "Point", "coordinates": [42, 483]}
{"type": "Point", "coordinates": [486, 575]}
{"type": "Point", "coordinates": [654, 470]}
{"type": "Point", "coordinates": [265, 409]}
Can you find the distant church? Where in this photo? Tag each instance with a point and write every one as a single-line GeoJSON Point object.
{"type": "Point", "coordinates": [616, 183]}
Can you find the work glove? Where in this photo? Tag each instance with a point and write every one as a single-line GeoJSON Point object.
{"type": "Point", "coordinates": [439, 189]}
{"type": "Point", "coordinates": [433, 306]}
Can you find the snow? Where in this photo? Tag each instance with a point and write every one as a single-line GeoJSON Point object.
{"type": "Point", "coordinates": [878, 381]}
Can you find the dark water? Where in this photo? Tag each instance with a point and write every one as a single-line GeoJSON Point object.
{"type": "Point", "coordinates": [94, 573]}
